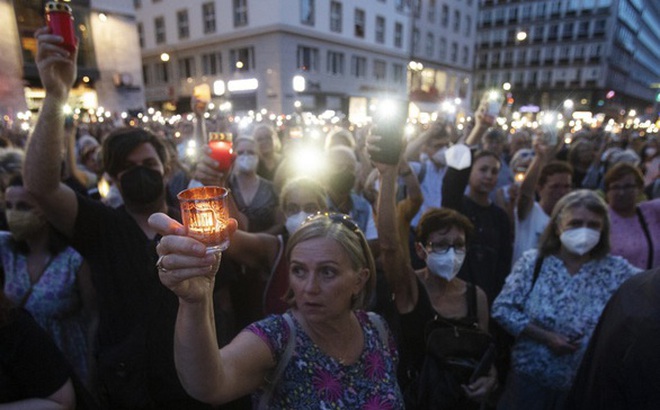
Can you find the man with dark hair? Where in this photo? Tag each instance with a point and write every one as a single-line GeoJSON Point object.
{"type": "Point", "coordinates": [136, 326]}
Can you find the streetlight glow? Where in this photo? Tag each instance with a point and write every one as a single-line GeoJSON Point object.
{"type": "Point", "coordinates": [521, 36]}
{"type": "Point", "coordinates": [164, 57]}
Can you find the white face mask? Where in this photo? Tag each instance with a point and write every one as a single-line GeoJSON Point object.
{"type": "Point", "coordinates": [445, 265]}
{"type": "Point", "coordinates": [247, 162]}
{"type": "Point", "coordinates": [580, 240]}
{"type": "Point", "coordinates": [294, 221]}
{"type": "Point", "coordinates": [440, 156]}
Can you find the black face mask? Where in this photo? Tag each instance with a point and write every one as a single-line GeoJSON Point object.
{"type": "Point", "coordinates": [141, 185]}
{"type": "Point", "coordinates": [342, 182]}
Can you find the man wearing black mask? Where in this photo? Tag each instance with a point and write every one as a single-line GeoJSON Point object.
{"type": "Point", "coordinates": [136, 327]}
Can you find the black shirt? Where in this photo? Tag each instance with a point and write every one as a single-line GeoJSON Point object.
{"type": "Point", "coordinates": [136, 312]}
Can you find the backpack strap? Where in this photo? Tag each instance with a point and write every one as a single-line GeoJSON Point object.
{"type": "Point", "coordinates": [380, 328]}
{"type": "Point", "coordinates": [647, 234]}
{"type": "Point", "coordinates": [264, 401]}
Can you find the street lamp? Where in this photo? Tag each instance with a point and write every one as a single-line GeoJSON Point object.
{"type": "Point", "coordinates": [299, 83]}
{"type": "Point", "coordinates": [521, 36]}
{"type": "Point", "coordinates": [506, 86]}
{"type": "Point", "coordinates": [164, 57]}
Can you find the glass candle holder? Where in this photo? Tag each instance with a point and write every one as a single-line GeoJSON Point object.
{"type": "Point", "coordinates": [221, 149]}
{"type": "Point", "coordinates": [204, 214]}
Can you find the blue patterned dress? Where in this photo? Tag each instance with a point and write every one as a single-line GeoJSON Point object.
{"type": "Point", "coordinates": [55, 300]}
{"type": "Point", "coordinates": [560, 302]}
{"type": "Point", "coordinates": [314, 380]}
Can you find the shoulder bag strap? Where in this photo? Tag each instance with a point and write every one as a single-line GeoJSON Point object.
{"type": "Point", "coordinates": [380, 328]}
{"type": "Point", "coordinates": [537, 270]}
{"type": "Point", "coordinates": [649, 240]}
{"type": "Point", "coordinates": [264, 401]}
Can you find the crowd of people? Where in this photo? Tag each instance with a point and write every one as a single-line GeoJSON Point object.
{"type": "Point", "coordinates": [510, 238]}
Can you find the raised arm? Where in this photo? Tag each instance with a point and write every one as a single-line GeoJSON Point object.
{"type": "Point", "coordinates": [544, 154]}
{"type": "Point", "coordinates": [206, 373]}
{"type": "Point", "coordinates": [398, 273]}
{"type": "Point", "coordinates": [57, 70]}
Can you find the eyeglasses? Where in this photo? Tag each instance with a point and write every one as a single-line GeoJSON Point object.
{"type": "Point", "coordinates": [628, 187]}
{"type": "Point", "coordinates": [308, 208]}
{"type": "Point", "coordinates": [336, 217]}
{"type": "Point", "coordinates": [443, 248]}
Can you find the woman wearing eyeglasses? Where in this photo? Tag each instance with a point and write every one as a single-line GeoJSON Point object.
{"type": "Point", "coordinates": [553, 298]}
{"type": "Point", "coordinates": [421, 295]}
{"type": "Point", "coordinates": [635, 225]}
{"type": "Point", "coordinates": [340, 357]}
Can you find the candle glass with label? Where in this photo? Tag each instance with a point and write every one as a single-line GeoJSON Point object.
{"type": "Point", "coordinates": [205, 215]}
{"type": "Point", "coordinates": [221, 149]}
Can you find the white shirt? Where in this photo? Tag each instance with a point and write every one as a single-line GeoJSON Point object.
{"type": "Point", "coordinates": [431, 187]}
{"type": "Point", "coordinates": [528, 231]}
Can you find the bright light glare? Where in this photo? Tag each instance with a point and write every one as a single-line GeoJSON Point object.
{"type": "Point", "coordinates": [299, 83]}
{"type": "Point", "coordinates": [247, 84]}
{"type": "Point", "coordinates": [387, 107]}
{"type": "Point", "coordinates": [308, 161]}
{"type": "Point", "coordinates": [191, 149]}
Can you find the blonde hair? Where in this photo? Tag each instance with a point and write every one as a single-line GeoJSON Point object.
{"type": "Point", "coordinates": [349, 237]}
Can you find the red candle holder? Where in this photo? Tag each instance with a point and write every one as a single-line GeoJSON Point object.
{"type": "Point", "coordinates": [59, 18]}
{"type": "Point", "coordinates": [205, 215]}
{"type": "Point", "coordinates": [221, 149]}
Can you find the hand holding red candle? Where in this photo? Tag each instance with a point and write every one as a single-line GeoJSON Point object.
{"type": "Point", "coordinates": [221, 150]}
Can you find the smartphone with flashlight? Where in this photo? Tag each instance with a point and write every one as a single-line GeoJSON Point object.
{"type": "Point", "coordinates": [389, 121]}
{"type": "Point", "coordinates": [494, 106]}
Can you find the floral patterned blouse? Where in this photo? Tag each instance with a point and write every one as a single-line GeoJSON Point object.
{"type": "Point", "coordinates": [315, 380]}
{"type": "Point", "coordinates": [560, 302]}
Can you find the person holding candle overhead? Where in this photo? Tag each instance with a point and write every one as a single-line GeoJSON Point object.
{"type": "Point", "coordinates": [324, 352]}
{"type": "Point", "coordinates": [136, 314]}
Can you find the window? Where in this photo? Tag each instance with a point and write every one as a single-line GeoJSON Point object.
{"type": "Point", "coordinates": [398, 35]}
{"type": "Point", "coordinates": [540, 10]}
{"type": "Point", "coordinates": [182, 24]}
{"type": "Point", "coordinates": [415, 40]}
{"type": "Point", "coordinates": [146, 75]}
{"type": "Point", "coordinates": [579, 52]}
{"type": "Point", "coordinates": [186, 67]}
{"type": "Point", "coordinates": [240, 13]}
{"type": "Point", "coordinates": [466, 55]}
{"type": "Point", "coordinates": [468, 25]}
{"type": "Point", "coordinates": [140, 30]}
{"type": "Point", "coordinates": [400, 4]}
{"type": "Point", "coordinates": [335, 16]}
{"type": "Point", "coordinates": [583, 29]}
{"type": "Point", "coordinates": [358, 66]}
{"type": "Point", "coordinates": [555, 8]}
{"type": "Point", "coordinates": [137, 4]}
{"type": "Point", "coordinates": [457, 21]}
{"type": "Point", "coordinates": [454, 52]}
{"type": "Point", "coordinates": [536, 55]}
{"type": "Point", "coordinates": [599, 27]}
{"type": "Point", "coordinates": [208, 17]}
{"type": "Point", "coordinates": [431, 13]}
{"type": "Point", "coordinates": [242, 59]}
{"type": "Point", "coordinates": [380, 69]}
{"type": "Point", "coordinates": [553, 31]}
{"type": "Point", "coordinates": [308, 58]}
{"type": "Point", "coordinates": [162, 72]}
{"type": "Point", "coordinates": [537, 34]}
{"type": "Point", "coordinates": [211, 63]}
{"type": "Point", "coordinates": [397, 73]}
{"type": "Point", "coordinates": [159, 28]}
{"type": "Point", "coordinates": [520, 57]}
{"type": "Point", "coordinates": [359, 23]}
{"type": "Point", "coordinates": [567, 31]}
{"type": "Point", "coordinates": [443, 48]}
{"type": "Point", "coordinates": [380, 29]}
{"type": "Point", "coordinates": [335, 63]}
{"type": "Point", "coordinates": [307, 12]}
{"type": "Point", "coordinates": [430, 44]}
{"type": "Point", "coordinates": [564, 52]}
{"type": "Point", "coordinates": [444, 16]}
{"type": "Point", "coordinates": [527, 12]}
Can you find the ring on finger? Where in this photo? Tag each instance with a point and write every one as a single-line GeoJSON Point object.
{"type": "Point", "coordinates": [159, 264]}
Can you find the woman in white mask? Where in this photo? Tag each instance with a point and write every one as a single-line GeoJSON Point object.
{"type": "Point", "coordinates": [255, 197]}
{"type": "Point", "coordinates": [264, 252]}
{"type": "Point", "coordinates": [553, 298]}
{"type": "Point", "coordinates": [431, 292]}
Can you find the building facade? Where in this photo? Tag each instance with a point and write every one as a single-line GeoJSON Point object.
{"type": "Point", "coordinates": [348, 52]}
{"type": "Point", "coordinates": [109, 69]}
{"type": "Point", "coordinates": [595, 55]}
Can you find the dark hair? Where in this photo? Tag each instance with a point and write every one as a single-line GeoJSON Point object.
{"type": "Point", "coordinates": [549, 243]}
{"type": "Point", "coordinates": [119, 144]}
{"type": "Point", "coordinates": [494, 134]}
{"type": "Point", "coordinates": [57, 242]}
{"type": "Point", "coordinates": [621, 170]}
{"type": "Point", "coordinates": [552, 168]}
{"type": "Point", "coordinates": [442, 219]}
{"type": "Point", "coordinates": [485, 153]}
